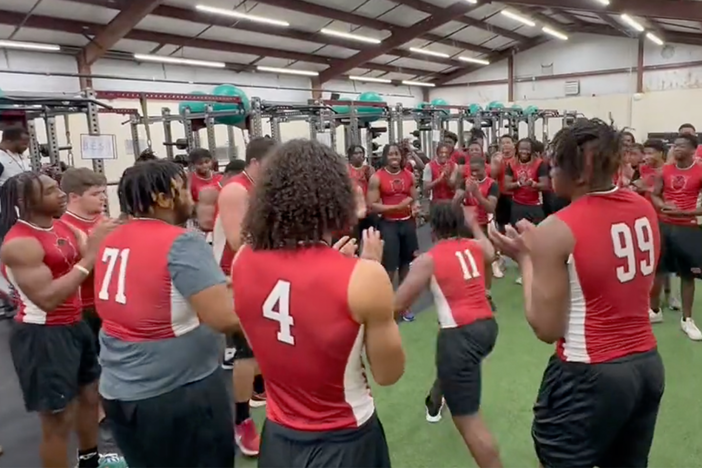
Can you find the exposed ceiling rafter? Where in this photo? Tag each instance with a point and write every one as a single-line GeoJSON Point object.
{"type": "Point", "coordinates": [398, 37]}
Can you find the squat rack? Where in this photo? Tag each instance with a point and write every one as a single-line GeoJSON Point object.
{"type": "Point", "coordinates": [25, 110]}
{"type": "Point", "coordinates": [191, 121]}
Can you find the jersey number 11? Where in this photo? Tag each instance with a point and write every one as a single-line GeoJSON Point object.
{"type": "Point", "coordinates": [468, 265]}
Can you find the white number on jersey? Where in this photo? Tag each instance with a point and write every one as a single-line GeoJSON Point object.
{"type": "Point", "coordinates": [625, 247]}
{"type": "Point", "coordinates": [468, 265]}
{"type": "Point", "coordinates": [110, 256]}
{"type": "Point", "coordinates": [280, 297]}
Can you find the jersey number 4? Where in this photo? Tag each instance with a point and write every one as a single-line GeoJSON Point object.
{"type": "Point", "coordinates": [626, 244]}
{"type": "Point", "coordinates": [279, 298]}
{"type": "Point", "coordinates": [468, 265]}
{"type": "Point", "coordinates": [111, 257]}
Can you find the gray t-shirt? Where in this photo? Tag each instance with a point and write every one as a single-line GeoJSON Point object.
{"type": "Point", "coordinates": [13, 164]}
{"type": "Point", "coordinates": [139, 370]}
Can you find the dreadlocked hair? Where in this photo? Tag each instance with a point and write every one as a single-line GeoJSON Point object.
{"type": "Point", "coordinates": [17, 198]}
{"type": "Point", "coordinates": [447, 220]}
{"type": "Point", "coordinates": [602, 140]}
{"type": "Point", "coordinates": [141, 183]}
{"type": "Point", "coordinates": [303, 194]}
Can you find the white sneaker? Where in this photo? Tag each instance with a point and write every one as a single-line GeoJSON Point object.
{"type": "Point", "coordinates": [690, 329]}
{"type": "Point", "coordinates": [674, 303]}
{"type": "Point", "coordinates": [435, 418]}
{"type": "Point", "coordinates": [655, 317]}
{"type": "Point", "coordinates": [496, 270]}
{"type": "Point", "coordinates": [518, 280]}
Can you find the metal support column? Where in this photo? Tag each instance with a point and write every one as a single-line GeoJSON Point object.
{"type": "Point", "coordinates": [230, 143]}
{"type": "Point", "coordinates": [134, 127]}
{"type": "Point", "coordinates": [52, 139]}
{"type": "Point", "coordinates": [400, 116]}
{"type": "Point", "coordinates": [435, 130]}
{"type": "Point", "coordinates": [94, 130]}
{"type": "Point", "coordinates": [392, 130]}
{"type": "Point", "coordinates": [354, 133]}
{"type": "Point", "coordinates": [332, 129]}
{"type": "Point", "coordinates": [188, 128]}
{"type": "Point", "coordinates": [313, 123]}
{"type": "Point", "coordinates": [210, 127]}
{"type": "Point", "coordinates": [167, 132]}
{"type": "Point", "coordinates": [256, 129]}
{"type": "Point", "coordinates": [34, 156]}
{"type": "Point", "coordinates": [275, 129]}
{"type": "Point", "coordinates": [69, 141]}
{"type": "Point", "coordinates": [461, 130]}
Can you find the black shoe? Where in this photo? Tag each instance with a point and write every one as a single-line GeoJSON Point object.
{"type": "Point", "coordinates": [433, 409]}
{"type": "Point", "coordinates": [228, 361]}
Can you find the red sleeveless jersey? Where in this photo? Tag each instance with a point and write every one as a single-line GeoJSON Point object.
{"type": "Point", "coordinates": [360, 175]}
{"type": "Point", "coordinates": [522, 173]}
{"type": "Point", "coordinates": [442, 190]}
{"type": "Point", "coordinates": [682, 187]}
{"type": "Point", "coordinates": [135, 306]}
{"type": "Point", "coordinates": [458, 282]}
{"type": "Point", "coordinates": [501, 176]}
{"type": "Point", "coordinates": [222, 251]}
{"type": "Point", "coordinates": [87, 291]}
{"type": "Point", "coordinates": [393, 189]}
{"type": "Point", "coordinates": [61, 253]}
{"type": "Point", "coordinates": [648, 176]}
{"type": "Point", "coordinates": [301, 315]}
{"type": "Point", "coordinates": [485, 186]}
{"type": "Point", "coordinates": [609, 290]}
{"type": "Point", "coordinates": [198, 183]}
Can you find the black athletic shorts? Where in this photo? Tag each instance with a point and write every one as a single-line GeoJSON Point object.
{"type": "Point", "coordinates": [94, 321]}
{"type": "Point", "coordinates": [600, 415]}
{"type": "Point", "coordinates": [191, 426]}
{"type": "Point", "coordinates": [553, 203]}
{"type": "Point", "coordinates": [363, 447]}
{"type": "Point", "coordinates": [681, 250]}
{"type": "Point", "coordinates": [503, 210]}
{"type": "Point", "coordinates": [401, 244]}
{"type": "Point", "coordinates": [459, 356]}
{"type": "Point", "coordinates": [533, 213]}
{"type": "Point", "coordinates": [239, 342]}
{"type": "Point", "coordinates": [53, 362]}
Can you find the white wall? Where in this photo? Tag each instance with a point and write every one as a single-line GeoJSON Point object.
{"type": "Point", "coordinates": [168, 79]}
{"type": "Point", "coordinates": [600, 96]}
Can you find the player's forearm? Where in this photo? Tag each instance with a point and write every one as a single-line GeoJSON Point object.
{"type": "Point", "coordinates": [540, 312]}
{"type": "Point", "coordinates": [510, 185]}
{"type": "Point", "coordinates": [486, 203]}
{"type": "Point", "coordinates": [657, 201]}
{"type": "Point", "coordinates": [49, 297]}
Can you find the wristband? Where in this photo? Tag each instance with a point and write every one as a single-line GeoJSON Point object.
{"type": "Point", "coordinates": [82, 269]}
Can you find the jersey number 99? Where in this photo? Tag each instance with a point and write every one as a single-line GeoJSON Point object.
{"type": "Point", "coordinates": [626, 244]}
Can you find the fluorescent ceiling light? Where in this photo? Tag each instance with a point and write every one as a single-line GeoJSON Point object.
{"type": "Point", "coordinates": [287, 71]}
{"type": "Point", "coordinates": [240, 15]}
{"type": "Point", "coordinates": [353, 37]}
{"type": "Point", "coordinates": [516, 17]}
{"type": "Point", "coordinates": [369, 79]}
{"type": "Point", "coordinates": [178, 61]}
{"type": "Point", "coordinates": [474, 2]}
{"type": "Point", "coordinates": [554, 33]}
{"type": "Point", "coordinates": [604, 2]}
{"type": "Point", "coordinates": [428, 52]}
{"type": "Point", "coordinates": [29, 46]}
{"type": "Point", "coordinates": [474, 60]}
{"type": "Point", "coordinates": [418, 83]}
{"type": "Point", "coordinates": [653, 38]}
{"type": "Point", "coordinates": [632, 22]}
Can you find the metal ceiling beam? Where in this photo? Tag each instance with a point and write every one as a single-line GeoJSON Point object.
{"type": "Point", "coordinates": [569, 16]}
{"type": "Point", "coordinates": [689, 10]}
{"type": "Point", "coordinates": [194, 16]}
{"type": "Point", "coordinates": [425, 7]}
{"type": "Point", "coordinates": [359, 20]}
{"type": "Point", "coordinates": [82, 27]}
{"type": "Point", "coordinates": [615, 25]}
{"type": "Point", "coordinates": [399, 37]}
{"type": "Point", "coordinates": [494, 58]}
{"type": "Point", "coordinates": [117, 29]}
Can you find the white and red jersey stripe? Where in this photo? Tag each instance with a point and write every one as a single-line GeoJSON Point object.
{"type": "Point", "coordinates": [61, 253]}
{"type": "Point", "coordinates": [222, 251]}
{"type": "Point", "coordinates": [294, 308]}
{"type": "Point", "coordinates": [458, 282]}
{"type": "Point", "coordinates": [85, 225]}
{"type": "Point", "coordinates": [136, 299]}
{"type": "Point", "coordinates": [611, 272]}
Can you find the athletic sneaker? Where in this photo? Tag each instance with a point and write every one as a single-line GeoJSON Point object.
{"type": "Point", "coordinates": [228, 362]}
{"type": "Point", "coordinates": [655, 317]}
{"type": "Point", "coordinates": [247, 438]}
{"type": "Point", "coordinates": [408, 316]}
{"type": "Point", "coordinates": [112, 460]}
{"type": "Point", "coordinates": [518, 280]}
{"type": "Point", "coordinates": [433, 409]}
{"type": "Point", "coordinates": [690, 329]}
{"type": "Point", "coordinates": [674, 303]}
{"type": "Point", "coordinates": [258, 400]}
{"type": "Point", "coordinates": [496, 270]}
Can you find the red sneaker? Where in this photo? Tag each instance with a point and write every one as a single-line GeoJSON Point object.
{"type": "Point", "coordinates": [247, 439]}
{"type": "Point", "coordinates": [258, 400]}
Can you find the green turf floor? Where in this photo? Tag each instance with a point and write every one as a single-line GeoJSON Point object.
{"type": "Point", "coordinates": [510, 383]}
